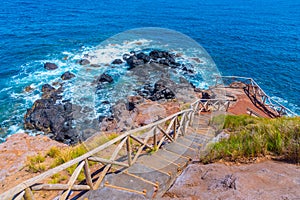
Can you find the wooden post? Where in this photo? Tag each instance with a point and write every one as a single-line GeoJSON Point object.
{"type": "Point", "coordinates": [227, 107]}
{"type": "Point", "coordinates": [128, 147]}
{"type": "Point", "coordinates": [155, 139]}
{"type": "Point", "coordinates": [28, 194]}
{"type": "Point", "coordinates": [72, 180]}
{"type": "Point", "coordinates": [107, 167]}
{"type": "Point", "coordinates": [87, 174]}
{"type": "Point", "coordinates": [174, 129]}
{"type": "Point", "coordinates": [20, 196]}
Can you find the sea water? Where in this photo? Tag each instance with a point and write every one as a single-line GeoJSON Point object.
{"type": "Point", "coordinates": [258, 39]}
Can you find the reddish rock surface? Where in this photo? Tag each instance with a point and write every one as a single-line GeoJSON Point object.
{"type": "Point", "coordinates": [14, 152]}
{"type": "Point", "coordinates": [264, 180]}
{"type": "Point", "coordinates": [150, 111]}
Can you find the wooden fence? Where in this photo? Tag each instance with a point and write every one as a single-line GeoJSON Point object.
{"type": "Point", "coordinates": [256, 94]}
{"type": "Point", "coordinates": [153, 137]}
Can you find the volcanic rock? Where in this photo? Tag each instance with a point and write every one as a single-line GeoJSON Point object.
{"type": "Point", "coordinates": [133, 101]}
{"type": "Point", "coordinates": [155, 54]}
{"type": "Point", "coordinates": [133, 61]}
{"type": "Point", "coordinates": [67, 75]}
{"type": "Point", "coordinates": [144, 57]}
{"type": "Point", "coordinates": [50, 66]}
{"type": "Point", "coordinates": [50, 92]}
{"type": "Point", "coordinates": [117, 61]}
{"type": "Point", "coordinates": [55, 119]}
{"type": "Point", "coordinates": [84, 62]}
{"type": "Point", "coordinates": [104, 78]}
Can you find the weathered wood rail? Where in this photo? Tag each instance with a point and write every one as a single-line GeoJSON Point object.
{"type": "Point", "coordinates": [154, 136]}
{"type": "Point", "coordinates": [256, 94]}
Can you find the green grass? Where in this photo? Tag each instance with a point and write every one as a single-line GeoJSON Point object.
{"type": "Point", "coordinates": [65, 155]}
{"type": "Point", "coordinates": [57, 178]}
{"type": "Point", "coordinates": [252, 137]}
{"type": "Point", "coordinates": [35, 163]}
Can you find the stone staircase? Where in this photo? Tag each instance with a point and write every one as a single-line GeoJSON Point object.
{"type": "Point", "coordinates": [152, 174]}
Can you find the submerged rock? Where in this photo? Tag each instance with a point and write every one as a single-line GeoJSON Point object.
{"type": "Point", "coordinates": [84, 62]}
{"type": "Point", "coordinates": [104, 78]}
{"type": "Point", "coordinates": [28, 88]}
{"type": "Point", "coordinates": [67, 75]}
{"type": "Point", "coordinates": [50, 66]}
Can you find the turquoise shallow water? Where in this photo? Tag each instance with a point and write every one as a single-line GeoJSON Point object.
{"type": "Point", "coordinates": [259, 39]}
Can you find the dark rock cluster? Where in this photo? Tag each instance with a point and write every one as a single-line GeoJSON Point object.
{"type": "Point", "coordinates": [54, 116]}
{"type": "Point", "coordinates": [51, 117]}
{"type": "Point", "coordinates": [160, 57]}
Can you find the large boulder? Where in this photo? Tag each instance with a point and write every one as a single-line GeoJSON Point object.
{"type": "Point", "coordinates": [50, 66]}
{"type": "Point", "coordinates": [67, 75]}
{"type": "Point", "coordinates": [133, 101]}
{"type": "Point", "coordinates": [53, 119]}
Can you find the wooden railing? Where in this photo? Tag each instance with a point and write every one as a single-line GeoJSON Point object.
{"type": "Point", "coordinates": [134, 143]}
{"type": "Point", "coordinates": [256, 94]}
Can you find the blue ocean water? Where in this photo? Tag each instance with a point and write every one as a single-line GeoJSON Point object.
{"type": "Point", "coordinates": [259, 39]}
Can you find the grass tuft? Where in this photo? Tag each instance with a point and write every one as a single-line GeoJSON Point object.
{"type": "Point", "coordinates": [252, 137]}
{"type": "Point", "coordinates": [35, 163]}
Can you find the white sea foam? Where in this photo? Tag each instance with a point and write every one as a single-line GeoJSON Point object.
{"type": "Point", "coordinates": [5, 89]}
{"type": "Point", "coordinates": [106, 54]}
{"type": "Point", "coordinates": [294, 108]}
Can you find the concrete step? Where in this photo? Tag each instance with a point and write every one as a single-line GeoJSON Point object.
{"type": "Point", "coordinates": [172, 157]}
{"type": "Point", "coordinates": [180, 150]}
{"type": "Point", "coordinates": [112, 194]}
{"type": "Point", "coordinates": [199, 139]}
{"type": "Point", "coordinates": [149, 174]}
{"type": "Point", "coordinates": [183, 141]}
{"type": "Point", "coordinates": [128, 182]}
{"type": "Point", "coordinates": [157, 164]}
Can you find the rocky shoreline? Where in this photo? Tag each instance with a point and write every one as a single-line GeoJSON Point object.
{"type": "Point", "coordinates": [54, 115]}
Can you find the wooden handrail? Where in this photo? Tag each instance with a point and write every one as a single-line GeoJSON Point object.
{"type": "Point", "coordinates": [265, 100]}
{"type": "Point", "coordinates": [157, 132]}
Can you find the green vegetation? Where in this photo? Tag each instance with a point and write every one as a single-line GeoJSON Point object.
{"type": "Point", "coordinates": [35, 163]}
{"type": "Point", "coordinates": [56, 156]}
{"type": "Point", "coordinates": [65, 155]}
{"type": "Point", "coordinates": [252, 137]}
{"type": "Point", "coordinates": [57, 178]}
